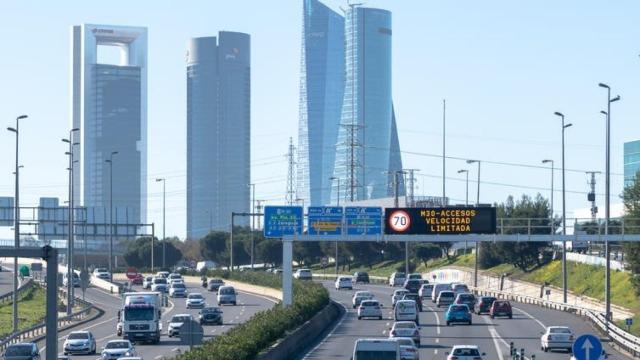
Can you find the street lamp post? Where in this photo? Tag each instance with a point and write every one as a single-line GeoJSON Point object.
{"type": "Point", "coordinates": [551, 225]}
{"type": "Point", "coordinates": [475, 272]}
{"type": "Point", "coordinates": [70, 242]}
{"type": "Point", "coordinates": [16, 226]}
{"type": "Point", "coordinates": [466, 198]}
{"type": "Point", "coordinates": [253, 219]}
{"type": "Point", "coordinates": [337, 204]}
{"type": "Point", "coordinates": [164, 219]}
{"type": "Point", "coordinates": [564, 215]}
{"type": "Point", "coordinates": [607, 208]}
{"type": "Point", "coordinates": [110, 162]}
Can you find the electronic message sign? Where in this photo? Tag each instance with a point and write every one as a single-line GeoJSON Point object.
{"type": "Point", "coordinates": [325, 220]}
{"type": "Point", "coordinates": [440, 220]}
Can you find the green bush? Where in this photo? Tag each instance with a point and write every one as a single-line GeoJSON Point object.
{"type": "Point", "coordinates": [247, 340]}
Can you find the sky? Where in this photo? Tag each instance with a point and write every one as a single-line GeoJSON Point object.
{"type": "Point", "coordinates": [504, 68]}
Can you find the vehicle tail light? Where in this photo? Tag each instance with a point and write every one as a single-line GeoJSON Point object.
{"type": "Point", "coordinates": [453, 358]}
{"type": "Point", "coordinates": [570, 337]}
{"type": "Point", "coordinates": [550, 338]}
{"type": "Point", "coordinates": [393, 333]}
{"type": "Point", "coordinates": [411, 350]}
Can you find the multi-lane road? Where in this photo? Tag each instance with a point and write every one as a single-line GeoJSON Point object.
{"type": "Point", "coordinates": [6, 281]}
{"type": "Point", "coordinates": [104, 328]}
{"type": "Point", "coordinates": [491, 335]}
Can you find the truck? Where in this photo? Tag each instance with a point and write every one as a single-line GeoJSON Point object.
{"type": "Point", "coordinates": [139, 318]}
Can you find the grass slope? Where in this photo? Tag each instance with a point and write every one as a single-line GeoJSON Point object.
{"type": "Point", "coordinates": [31, 310]}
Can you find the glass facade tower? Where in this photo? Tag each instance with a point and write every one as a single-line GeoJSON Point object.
{"type": "Point", "coordinates": [321, 92]}
{"type": "Point", "coordinates": [218, 132]}
{"type": "Point", "coordinates": [631, 161]}
{"type": "Point", "coordinates": [109, 107]}
{"type": "Point", "coordinates": [368, 150]}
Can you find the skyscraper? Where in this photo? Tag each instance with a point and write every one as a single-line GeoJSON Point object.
{"type": "Point", "coordinates": [368, 150]}
{"type": "Point", "coordinates": [109, 107]}
{"type": "Point", "coordinates": [218, 131]}
{"type": "Point", "coordinates": [321, 92]}
{"type": "Point", "coordinates": [631, 161]}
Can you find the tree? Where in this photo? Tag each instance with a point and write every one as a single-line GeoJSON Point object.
{"type": "Point", "coordinates": [138, 253]}
{"type": "Point", "coordinates": [631, 200]}
{"type": "Point", "coordinates": [269, 251]}
{"type": "Point", "coordinates": [190, 249]}
{"type": "Point", "coordinates": [214, 247]}
{"type": "Point", "coordinates": [426, 252]}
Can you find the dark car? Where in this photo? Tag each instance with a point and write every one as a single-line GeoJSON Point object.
{"type": "Point", "coordinates": [415, 297]}
{"type": "Point", "coordinates": [466, 299]}
{"type": "Point", "coordinates": [501, 308]}
{"type": "Point", "coordinates": [21, 351]}
{"type": "Point", "coordinates": [413, 285]}
{"type": "Point", "coordinates": [483, 305]}
{"type": "Point", "coordinates": [361, 277]}
{"type": "Point", "coordinates": [214, 284]}
{"type": "Point", "coordinates": [210, 315]}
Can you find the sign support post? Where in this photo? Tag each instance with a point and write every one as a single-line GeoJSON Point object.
{"type": "Point", "coordinates": [287, 272]}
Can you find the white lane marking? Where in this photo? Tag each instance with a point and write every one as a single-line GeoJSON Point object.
{"type": "Point", "coordinates": [437, 319]}
{"type": "Point", "coordinates": [532, 317]}
{"type": "Point", "coordinates": [105, 338]}
{"type": "Point", "coordinates": [158, 357]}
{"type": "Point", "coordinates": [437, 340]}
{"type": "Point", "coordinates": [344, 316]}
{"type": "Point", "coordinates": [495, 336]}
{"type": "Point", "coordinates": [435, 351]}
{"type": "Point", "coordinates": [260, 296]}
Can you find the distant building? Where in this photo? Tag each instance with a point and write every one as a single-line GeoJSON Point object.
{"type": "Point", "coordinates": [321, 92]}
{"type": "Point", "coordinates": [368, 150]}
{"type": "Point", "coordinates": [218, 131]}
{"type": "Point", "coordinates": [109, 106]}
{"type": "Point", "coordinates": [631, 161]}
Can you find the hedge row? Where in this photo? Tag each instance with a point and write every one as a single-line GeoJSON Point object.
{"type": "Point", "coordinates": [263, 329]}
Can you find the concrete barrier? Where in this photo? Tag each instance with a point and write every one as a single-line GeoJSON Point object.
{"type": "Point", "coordinates": [304, 336]}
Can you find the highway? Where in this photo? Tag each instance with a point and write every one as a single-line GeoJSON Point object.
{"type": "Point", "coordinates": [104, 328]}
{"type": "Point", "coordinates": [6, 280]}
{"type": "Point", "coordinates": [492, 336]}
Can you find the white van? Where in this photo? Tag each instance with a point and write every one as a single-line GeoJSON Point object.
{"type": "Point", "coordinates": [437, 288]}
{"type": "Point", "coordinates": [406, 310]}
{"type": "Point", "coordinates": [379, 349]}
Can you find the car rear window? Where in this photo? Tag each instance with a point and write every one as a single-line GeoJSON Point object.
{"type": "Point", "coordinates": [559, 331]}
{"type": "Point", "coordinates": [19, 350]}
{"type": "Point", "coordinates": [75, 336]}
{"type": "Point", "coordinates": [466, 352]}
{"type": "Point", "coordinates": [459, 308]}
{"type": "Point", "coordinates": [407, 325]}
{"type": "Point", "coordinates": [446, 294]}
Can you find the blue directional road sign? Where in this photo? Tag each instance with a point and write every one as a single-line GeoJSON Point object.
{"type": "Point", "coordinates": [363, 220]}
{"type": "Point", "coordinates": [325, 220]}
{"type": "Point", "coordinates": [587, 347]}
{"type": "Point", "coordinates": [282, 220]}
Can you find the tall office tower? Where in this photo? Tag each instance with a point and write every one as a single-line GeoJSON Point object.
{"type": "Point", "coordinates": [109, 106]}
{"type": "Point", "coordinates": [218, 132]}
{"type": "Point", "coordinates": [631, 161]}
{"type": "Point", "coordinates": [368, 151]}
{"type": "Point", "coordinates": [321, 91]}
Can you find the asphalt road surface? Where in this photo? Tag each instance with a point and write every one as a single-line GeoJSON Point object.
{"type": "Point", "coordinates": [104, 328]}
{"type": "Point", "coordinates": [492, 336]}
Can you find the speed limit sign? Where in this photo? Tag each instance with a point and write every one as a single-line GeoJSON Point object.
{"type": "Point", "coordinates": [399, 221]}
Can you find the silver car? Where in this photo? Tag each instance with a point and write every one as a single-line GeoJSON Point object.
{"type": "Point", "coordinates": [79, 342]}
{"type": "Point", "coordinates": [116, 349]}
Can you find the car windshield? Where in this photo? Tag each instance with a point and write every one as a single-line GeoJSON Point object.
{"type": "Point", "coordinates": [101, 270]}
{"type": "Point", "coordinates": [369, 303]}
{"type": "Point", "coordinates": [415, 276]}
{"type": "Point", "coordinates": [488, 300]}
{"type": "Point", "coordinates": [466, 352]}
{"type": "Point", "coordinates": [375, 355]}
{"type": "Point", "coordinates": [117, 345]}
{"type": "Point", "coordinates": [501, 303]}
{"type": "Point", "coordinates": [407, 325]}
{"type": "Point", "coordinates": [159, 281]}
{"type": "Point", "coordinates": [466, 297]}
{"type": "Point", "coordinates": [210, 310]}
{"type": "Point", "coordinates": [195, 296]}
{"type": "Point", "coordinates": [363, 294]}
{"type": "Point", "coordinates": [559, 331]}
{"type": "Point", "coordinates": [446, 294]}
{"type": "Point", "coordinates": [215, 281]}
{"type": "Point", "coordinates": [76, 336]}
{"type": "Point", "coordinates": [227, 291]}
{"type": "Point", "coordinates": [138, 314]}
{"type": "Point", "coordinates": [458, 308]}
{"type": "Point", "coordinates": [178, 286]}
{"type": "Point", "coordinates": [179, 319]}
{"type": "Point", "coordinates": [399, 275]}
{"type": "Point", "coordinates": [19, 350]}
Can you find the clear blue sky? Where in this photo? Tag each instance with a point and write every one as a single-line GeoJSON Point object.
{"type": "Point", "coordinates": [503, 66]}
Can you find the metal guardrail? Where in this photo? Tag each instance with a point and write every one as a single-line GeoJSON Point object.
{"type": "Point", "coordinates": [8, 297]}
{"type": "Point", "coordinates": [625, 340]}
{"type": "Point", "coordinates": [39, 329]}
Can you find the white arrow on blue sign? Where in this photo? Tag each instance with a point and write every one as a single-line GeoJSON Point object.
{"type": "Point", "coordinates": [587, 347]}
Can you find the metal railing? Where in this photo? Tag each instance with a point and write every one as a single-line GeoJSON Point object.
{"type": "Point", "coordinates": [38, 330]}
{"type": "Point", "coordinates": [625, 340]}
{"type": "Point", "coordinates": [8, 297]}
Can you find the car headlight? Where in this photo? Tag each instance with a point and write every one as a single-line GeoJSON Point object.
{"type": "Point", "coordinates": [129, 353]}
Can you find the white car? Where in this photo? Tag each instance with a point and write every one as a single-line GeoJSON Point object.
{"type": "Point", "coordinates": [102, 273]}
{"type": "Point", "coordinates": [556, 337]}
{"type": "Point", "coordinates": [79, 342]}
{"type": "Point", "coordinates": [159, 284]}
{"type": "Point", "coordinates": [176, 322]}
{"type": "Point", "coordinates": [146, 283]}
{"type": "Point", "coordinates": [177, 290]}
{"type": "Point", "coordinates": [408, 349]}
{"type": "Point", "coordinates": [162, 274]}
{"type": "Point", "coordinates": [406, 310]}
{"type": "Point", "coordinates": [359, 296]}
{"type": "Point", "coordinates": [175, 281]}
{"type": "Point", "coordinates": [459, 288]}
{"type": "Point", "coordinates": [465, 352]}
{"type": "Point", "coordinates": [397, 279]}
{"type": "Point", "coordinates": [302, 274]}
{"type": "Point", "coordinates": [376, 349]}
{"type": "Point", "coordinates": [370, 309]}
{"type": "Point", "coordinates": [174, 276]}
{"type": "Point", "coordinates": [344, 282]}
{"type": "Point", "coordinates": [116, 349]}
{"type": "Point", "coordinates": [398, 295]}
{"type": "Point", "coordinates": [226, 295]}
{"type": "Point", "coordinates": [195, 301]}
{"type": "Point", "coordinates": [406, 329]}
{"type": "Point", "coordinates": [425, 291]}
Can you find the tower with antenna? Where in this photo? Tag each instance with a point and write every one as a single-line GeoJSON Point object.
{"type": "Point", "coordinates": [290, 197]}
{"type": "Point", "coordinates": [591, 196]}
{"type": "Point", "coordinates": [411, 180]}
